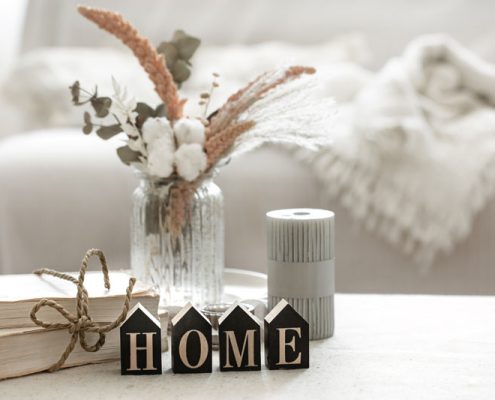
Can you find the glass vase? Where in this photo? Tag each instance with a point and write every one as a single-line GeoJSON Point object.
{"type": "Point", "coordinates": [184, 268]}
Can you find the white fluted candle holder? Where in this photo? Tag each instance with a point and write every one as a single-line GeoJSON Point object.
{"type": "Point", "coordinates": [301, 267]}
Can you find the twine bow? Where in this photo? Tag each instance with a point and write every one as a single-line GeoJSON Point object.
{"type": "Point", "coordinates": [80, 323]}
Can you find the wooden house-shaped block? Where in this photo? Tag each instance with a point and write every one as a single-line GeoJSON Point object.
{"type": "Point", "coordinates": [191, 341]}
{"type": "Point", "coordinates": [140, 343]}
{"type": "Point", "coordinates": [286, 338]}
{"type": "Point", "coordinates": [239, 339]}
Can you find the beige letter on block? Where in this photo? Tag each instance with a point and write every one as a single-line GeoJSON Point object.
{"type": "Point", "coordinates": [183, 349]}
{"type": "Point", "coordinates": [238, 355]}
{"type": "Point", "coordinates": [148, 349]}
{"type": "Point", "coordinates": [283, 344]}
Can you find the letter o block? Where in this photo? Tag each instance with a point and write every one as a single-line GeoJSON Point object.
{"type": "Point", "coordinates": [191, 342]}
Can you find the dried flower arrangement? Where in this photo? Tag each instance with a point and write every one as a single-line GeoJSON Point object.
{"type": "Point", "coordinates": [277, 106]}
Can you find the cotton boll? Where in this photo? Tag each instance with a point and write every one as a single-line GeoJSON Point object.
{"type": "Point", "coordinates": [190, 160]}
{"type": "Point", "coordinates": [159, 164]}
{"type": "Point", "coordinates": [161, 157]}
{"type": "Point", "coordinates": [163, 144]}
{"type": "Point", "coordinates": [189, 131]}
{"type": "Point", "coordinates": [155, 128]}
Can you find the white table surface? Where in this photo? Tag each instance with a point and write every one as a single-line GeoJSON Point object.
{"type": "Point", "coordinates": [385, 347]}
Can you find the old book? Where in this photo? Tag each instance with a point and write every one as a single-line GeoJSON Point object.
{"type": "Point", "coordinates": [24, 351]}
{"type": "Point", "coordinates": [26, 348]}
{"type": "Point", "coordinates": [19, 294]}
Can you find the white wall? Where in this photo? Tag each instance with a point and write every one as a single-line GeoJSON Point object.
{"type": "Point", "coordinates": [11, 19]}
{"type": "Point", "coordinates": [388, 25]}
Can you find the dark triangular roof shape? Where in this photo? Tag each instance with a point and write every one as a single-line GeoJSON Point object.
{"type": "Point", "coordinates": [139, 308]}
{"type": "Point", "coordinates": [235, 308]}
{"type": "Point", "coordinates": [188, 308]}
{"type": "Point", "coordinates": [283, 307]}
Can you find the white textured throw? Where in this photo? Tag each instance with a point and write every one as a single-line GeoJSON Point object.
{"type": "Point", "coordinates": [414, 151]}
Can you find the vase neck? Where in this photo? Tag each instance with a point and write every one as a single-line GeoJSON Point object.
{"type": "Point", "coordinates": [147, 179]}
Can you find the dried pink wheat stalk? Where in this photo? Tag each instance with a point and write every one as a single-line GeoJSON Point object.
{"type": "Point", "coordinates": [241, 101]}
{"type": "Point", "coordinates": [290, 73]}
{"type": "Point", "coordinates": [181, 194]}
{"type": "Point", "coordinates": [152, 62]}
{"type": "Point", "coordinates": [217, 145]}
{"type": "Point", "coordinates": [179, 201]}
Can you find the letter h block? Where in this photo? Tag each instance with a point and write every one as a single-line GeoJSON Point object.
{"type": "Point", "coordinates": [239, 340]}
{"type": "Point", "coordinates": [286, 338]}
{"type": "Point", "coordinates": [191, 342]}
{"type": "Point", "coordinates": [140, 343]}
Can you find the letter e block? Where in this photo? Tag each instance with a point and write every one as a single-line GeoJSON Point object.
{"type": "Point", "coordinates": [286, 338]}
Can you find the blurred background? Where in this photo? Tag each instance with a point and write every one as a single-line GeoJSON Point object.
{"type": "Point", "coordinates": [62, 192]}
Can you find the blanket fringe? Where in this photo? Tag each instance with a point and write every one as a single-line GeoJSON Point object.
{"type": "Point", "coordinates": [350, 183]}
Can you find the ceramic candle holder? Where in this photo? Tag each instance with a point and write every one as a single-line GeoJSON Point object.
{"type": "Point", "coordinates": [301, 270]}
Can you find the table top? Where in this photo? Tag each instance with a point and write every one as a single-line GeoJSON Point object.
{"type": "Point", "coordinates": [385, 347]}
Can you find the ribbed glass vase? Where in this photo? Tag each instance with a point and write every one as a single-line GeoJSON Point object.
{"type": "Point", "coordinates": [187, 268]}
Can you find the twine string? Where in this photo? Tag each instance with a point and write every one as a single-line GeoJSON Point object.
{"type": "Point", "coordinates": [77, 325]}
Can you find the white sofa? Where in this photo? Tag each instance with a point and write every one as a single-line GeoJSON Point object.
{"type": "Point", "coordinates": [62, 192]}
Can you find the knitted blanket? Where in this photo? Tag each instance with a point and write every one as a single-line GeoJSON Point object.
{"type": "Point", "coordinates": [413, 152]}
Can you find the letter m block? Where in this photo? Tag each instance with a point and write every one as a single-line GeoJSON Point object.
{"type": "Point", "coordinates": [239, 340]}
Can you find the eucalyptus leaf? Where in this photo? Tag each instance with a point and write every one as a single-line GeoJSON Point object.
{"type": "Point", "coordinates": [181, 71]}
{"type": "Point", "coordinates": [106, 132]}
{"type": "Point", "coordinates": [144, 112]}
{"type": "Point", "coordinates": [127, 156]}
{"type": "Point", "coordinates": [101, 106]}
{"type": "Point", "coordinates": [177, 53]}
{"type": "Point", "coordinates": [187, 46]}
{"type": "Point", "coordinates": [75, 90]}
{"type": "Point", "coordinates": [161, 110]}
{"type": "Point", "coordinates": [178, 35]}
{"type": "Point", "coordinates": [88, 125]}
{"type": "Point", "coordinates": [87, 129]}
{"type": "Point", "coordinates": [144, 109]}
{"type": "Point", "coordinates": [170, 51]}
